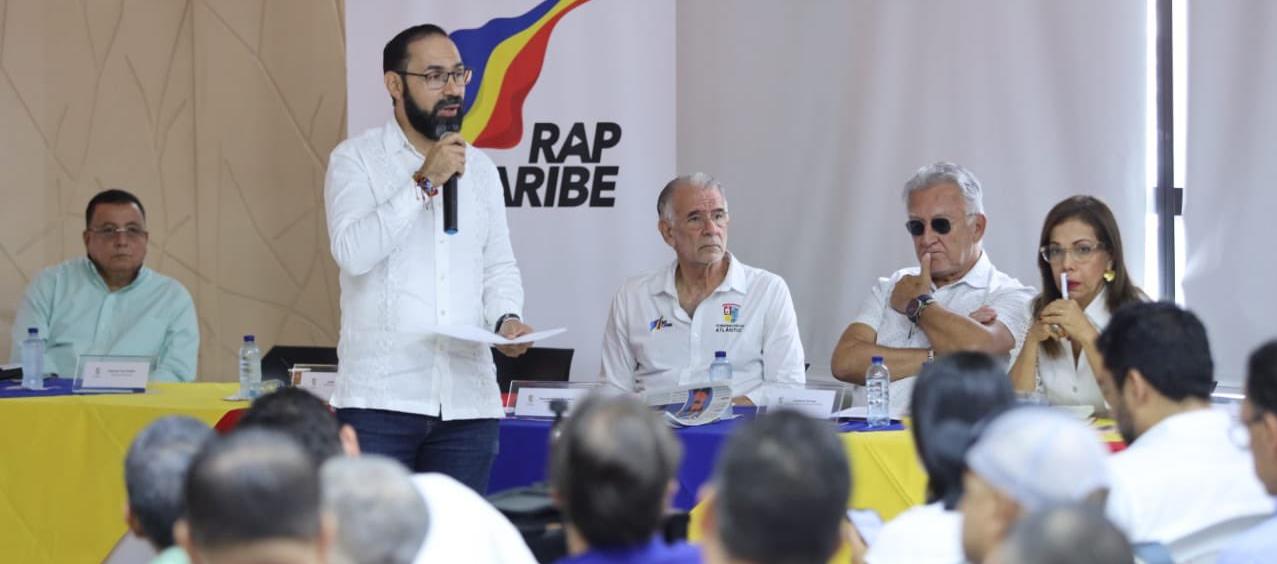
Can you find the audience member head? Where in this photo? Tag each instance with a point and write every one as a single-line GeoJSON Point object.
{"type": "Point", "coordinates": [154, 473]}
{"type": "Point", "coordinates": [1158, 363]}
{"type": "Point", "coordinates": [950, 396]}
{"type": "Point", "coordinates": [779, 492]}
{"type": "Point", "coordinates": [426, 80]}
{"type": "Point", "coordinates": [1080, 237]}
{"type": "Point", "coordinates": [115, 235]}
{"type": "Point", "coordinates": [1071, 533]}
{"type": "Point", "coordinates": [1259, 412]}
{"type": "Point", "coordinates": [304, 417]}
{"type": "Point", "coordinates": [380, 517]}
{"type": "Point", "coordinates": [612, 470]}
{"type": "Point", "coordinates": [946, 218]}
{"type": "Point", "coordinates": [253, 496]}
{"type": "Point", "coordinates": [694, 219]}
{"type": "Point", "coordinates": [1026, 459]}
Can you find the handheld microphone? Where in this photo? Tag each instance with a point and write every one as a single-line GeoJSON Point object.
{"type": "Point", "coordinates": [449, 187]}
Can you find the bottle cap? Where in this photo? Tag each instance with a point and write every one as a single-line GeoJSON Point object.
{"type": "Point", "coordinates": [720, 354]}
{"type": "Point", "coordinates": [33, 331]}
{"type": "Point", "coordinates": [249, 339]}
{"type": "Point", "coordinates": [876, 360]}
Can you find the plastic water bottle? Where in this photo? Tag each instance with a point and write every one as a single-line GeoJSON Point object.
{"type": "Point", "coordinates": [878, 392]}
{"type": "Point", "coordinates": [250, 368]}
{"type": "Point", "coordinates": [33, 360]}
{"type": "Point", "coordinates": [720, 371]}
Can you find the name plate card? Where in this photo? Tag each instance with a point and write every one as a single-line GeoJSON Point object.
{"type": "Point", "coordinates": [112, 374]}
{"type": "Point", "coordinates": [320, 380]}
{"type": "Point", "coordinates": [812, 402]}
{"type": "Point", "coordinates": [535, 402]}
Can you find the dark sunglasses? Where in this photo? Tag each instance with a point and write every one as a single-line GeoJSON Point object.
{"type": "Point", "coordinates": [940, 225]}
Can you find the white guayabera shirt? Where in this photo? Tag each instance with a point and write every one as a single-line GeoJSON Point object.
{"type": "Point", "coordinates": [401, 274]}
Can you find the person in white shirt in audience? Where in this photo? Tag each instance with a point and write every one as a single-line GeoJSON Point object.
{"type": "Point", "coordinates": [429, 401]}
{"type": "Point", "coordinates": [1025, 460]}
{"type": "Point", "coordinates": [779, 493]}
{"type": "Point", "coordinates": [1080, 239]}
{"type": "Point", "coordinates": [1073, 533]}
{"type": "Point", "coordinates": [1181, 472]}
{"type": "Point", "coordinates": [154, 474]}
{"type": "Point", "coordinates": [380, 518]}
{"type": "Point", "coordinates": [253, 497]}
{"type": "Point", "coordinates": [951, 396]}
{"type": "Point", "coordinates": [1259, 416]}
{"type": "Point", "coordinates": [954, 300]}
{"type": "Point", "coordinates": [666, 325]}
{"type": "Point", "coordinates": [613, 471]}
{"type": "Point", "coordinates": [463, 527]}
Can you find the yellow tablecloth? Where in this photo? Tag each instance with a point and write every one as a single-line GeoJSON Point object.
{"type": "Point", "coordinates": [887, 476]}
{"type": "Point", "coordinates": [62, 466]}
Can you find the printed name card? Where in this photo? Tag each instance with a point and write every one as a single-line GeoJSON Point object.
{"type": "Point", "coordinates": [322, 382]}
{"type": "Point", "coordinates": [813, 402]}
{"type": "Point", "coordinates": [112, 374]}
{"type": "Point", "coordinates": [535, 401]}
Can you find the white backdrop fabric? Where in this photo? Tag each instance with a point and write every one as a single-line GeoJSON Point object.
{"type": "Point", "coordinates": [813, 114]}
{"type": "Point", "coordinates": [1229, 196]}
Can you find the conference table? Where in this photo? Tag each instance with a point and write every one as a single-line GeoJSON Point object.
{"type": "Point", "coordinates": [62, 494]}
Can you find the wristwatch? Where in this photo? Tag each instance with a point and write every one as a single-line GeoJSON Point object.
{"type": "Point", "coordinates": [916, 306]}
{"type": "Point", "coordinates": [501, 320]}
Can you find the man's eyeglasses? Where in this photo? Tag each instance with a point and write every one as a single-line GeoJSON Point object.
{"type": "Point", "coordinates": [941, 225]}
{"type": "Point", "coordinates": [109, 232]}
{"type": "Point", "coordinates": [436, 80]}
{"type": "Point", "coordinates": [1081, 252]}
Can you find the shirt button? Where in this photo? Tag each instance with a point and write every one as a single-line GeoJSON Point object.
{"type": "Point", "coordinates": [443, 312]}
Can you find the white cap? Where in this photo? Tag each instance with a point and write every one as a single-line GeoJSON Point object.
{"type": "Point", "coordinates": [1040, 456]}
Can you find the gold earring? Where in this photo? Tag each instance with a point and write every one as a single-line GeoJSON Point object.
{"type": "Point", "coordinates": [1110, 275]}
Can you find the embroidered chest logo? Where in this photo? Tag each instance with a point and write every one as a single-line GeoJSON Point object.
{"type": "Point", "coordinates": [731, 315]}
{"type": "Point", "coordinates": [658, 324]}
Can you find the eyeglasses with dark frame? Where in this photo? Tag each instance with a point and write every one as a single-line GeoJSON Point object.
{"type": "Point", "coordinates": [436, 80]}
{"type": "Point", "coordinates": [941, 225]}
{"type": "Point", "coordinates": [109, 232]}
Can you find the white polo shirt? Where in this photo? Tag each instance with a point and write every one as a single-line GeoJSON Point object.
{"type": "Point", "coordinates": [925, 534]}
{"type": "Point", "coordinates": [1182, 475]}
{"type": "Point", "coordinates": [651, 343]}
{"type": "Point", "coordinates": [983, 285]}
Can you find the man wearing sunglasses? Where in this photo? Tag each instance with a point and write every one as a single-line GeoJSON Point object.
{"type": "Point", "coordinates": [954, 300]}
{"type": "Point", "coordinates": [421, 398]}
{"type": "Point", "coordinates": [108, 303]}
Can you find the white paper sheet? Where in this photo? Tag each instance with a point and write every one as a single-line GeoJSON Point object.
{"type": "Point", "coordinates": [478, 335]}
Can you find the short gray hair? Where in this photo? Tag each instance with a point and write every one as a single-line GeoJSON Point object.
{"type": "Point", "coordinates": [944, 172]}
{"type": "Point", "coordinates": [381, 517]}
{"type": "Point", "coordinates": [1054, 535]}
{"type": "Point", "coordinates": [696, 179]}
{"type": "Point", "coordinates": [155, 471]}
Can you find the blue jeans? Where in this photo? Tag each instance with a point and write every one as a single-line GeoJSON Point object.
{"type": "Point", "coordinates": [463, 449]}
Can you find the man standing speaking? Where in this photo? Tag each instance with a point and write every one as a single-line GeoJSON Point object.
{"type": "Point", "coordinates": [427, 400]}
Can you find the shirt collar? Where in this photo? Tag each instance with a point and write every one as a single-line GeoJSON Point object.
{"type": "Point", "coordinates": [1098, 310]}
{"type": "Point", "coordinates": [142, 274]}
{"type": "Point", "coordinates": [734, 280]}
{"type": "Point", "coordinates": [979, 275]}
{"type": "Point", "coordinates": [394, 140]}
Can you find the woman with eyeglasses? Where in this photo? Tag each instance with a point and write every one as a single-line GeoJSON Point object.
{"type": "Point", "coordinates": [1084, 280]}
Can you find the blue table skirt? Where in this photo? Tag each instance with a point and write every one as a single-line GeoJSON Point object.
{"type": "Point", "coordinates": [523, 458]}
{"type": "Point", "coordinates": [52, 387]}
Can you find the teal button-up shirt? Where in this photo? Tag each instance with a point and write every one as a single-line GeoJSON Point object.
{"type": "Point", "coordinates": [77, 314]}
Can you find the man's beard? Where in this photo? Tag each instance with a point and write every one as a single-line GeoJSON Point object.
{"type": "Point", "coordinates": [1125, 424]}
{"type": "Point", "coordinates": [429, 123]}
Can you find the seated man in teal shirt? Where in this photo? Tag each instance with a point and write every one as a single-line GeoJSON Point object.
{"type": "Point", "coordinates": [108, 303]}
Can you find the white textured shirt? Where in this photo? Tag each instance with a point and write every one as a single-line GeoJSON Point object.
{"type": "Point", "coordinates": [1182, 475]}
{"type": "Point", "coordinates": [401, 275]}
{"type": "Point", "coordinates": [651, 343]}
{"type": "Point", "coordinates": [1066, 383]}
{"type": "Point", "coordinates": [926, 534]}
{"type": "Point", "coordinates": [982, 286]}
{"type": "Point", "coordinates": [464, 527]}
